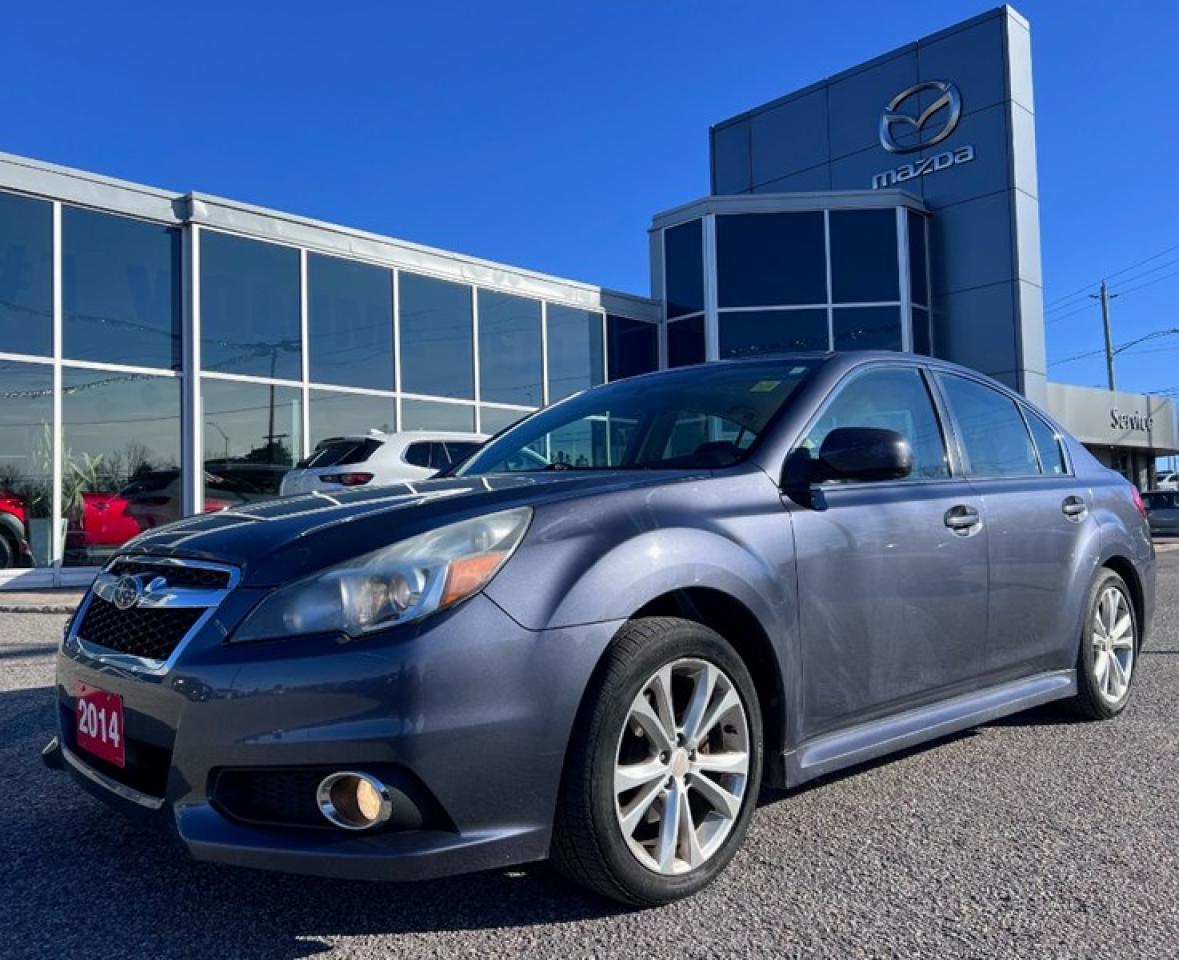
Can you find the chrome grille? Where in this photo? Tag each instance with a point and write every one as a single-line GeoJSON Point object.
{"type": "Point", "coordinates": [142, 610]}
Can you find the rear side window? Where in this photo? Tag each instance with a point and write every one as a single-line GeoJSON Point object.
{"type": "Point", "coordinates": [342, 452]}
{"type": "Point", "coordinates": [995, 440]}
{"type": "Point", "coordinates": [419, 454]}
{"type": "Point", "coordinates": [456, 451]}
{"type": "Point", "coordinates": [1048, 445]}
{"type": "Point", "coordinates": [890, 398]}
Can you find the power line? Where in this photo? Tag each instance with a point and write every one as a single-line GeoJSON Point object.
{"type": "Point", "coordinates": [1060, 301]}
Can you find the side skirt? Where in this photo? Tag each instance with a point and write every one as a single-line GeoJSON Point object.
{"type": "Point", "coordinates": [867, 741]}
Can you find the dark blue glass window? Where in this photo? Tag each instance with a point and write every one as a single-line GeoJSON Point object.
{"type": "Point", "coordinates": [867, 328]}
{"type": "Point", "coordinates": [250, 307]}
{"type": "Point", "coordinates": [771, 259]}
{"type": "Point", "coordinates": [685, 342]}
{"type": "Point", "coordinates": [26, 456]}
{"type": "Point", "coordinates": [349, 415]}
{"type": "Point", "coordinates": [575, 350]}
{"type": "Point", "coordinates": [253, 433]}
{"type": "Point", "coordinates": [748, 333]}
{"type": "Point", "coordinates": [511, 367]}
{"type": "Point", "coordinates": [117, 429]}
{"type": "Point", "coordinates": [494, 419]}
{"type": "Point", "coordinates": [428, 415]}
{"type": "Point", "coordinates": [918, 276]}
{"type": "Point", "coordinates": [26, 275]}
{"type": "Point", "coordinates": [120, 289]}
{"type": "Point", "coordinates": [437, 339]}
{"type": "Point", "coordinates": [350, 323]}
{"type": "Point", "coordinates": [922, 334]}
{"type": "Point", "coordinates": [683, 253]}
{"type": "Point", "coordinates": [632, 347]}
{"type": "Point", "coordinates": [864, 265]}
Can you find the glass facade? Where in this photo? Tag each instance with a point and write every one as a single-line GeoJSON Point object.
{"type": "Point", "coordinates": [109, 427]}
{"type": "Point", "coordinates": [797, 279]}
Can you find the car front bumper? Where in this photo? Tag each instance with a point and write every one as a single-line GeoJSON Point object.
{"type": "Point", "coordinates": [469, 710]}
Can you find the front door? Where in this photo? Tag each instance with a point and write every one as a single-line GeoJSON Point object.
{"type": "Point", "coordinates": [892, 576]}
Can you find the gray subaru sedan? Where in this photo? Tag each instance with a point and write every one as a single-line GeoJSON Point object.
{"type": "Point", "coordinates": [595, 639]}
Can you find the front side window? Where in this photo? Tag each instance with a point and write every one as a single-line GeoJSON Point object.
{"type": "Point", "coordinates": [994, 439]}
{"type": "Point", "coordinates": [890, 398]}
{"type": "Point", "coordinates": [699, 419]}
{"type": "Point", "coordinates": [1048, 445]}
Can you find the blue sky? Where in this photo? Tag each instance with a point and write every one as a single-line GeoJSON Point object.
{"type": "Point", "coordinates": [546, 134]}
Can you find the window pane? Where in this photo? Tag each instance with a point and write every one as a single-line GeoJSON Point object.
{"type": "Point", "coordinates": [494, 419]}
{"type": "Point", "coordinates": [771, 259]}
{"type": "Point", "coordinates": [26, 275]}
{"type": "Point", "coordinates": [633, 347]}
{"type": "Point", "coordinates": [890, 399]}
{"type": "Point", "coordinates": [419, 454]}
{"type": "Point", "coordinates": [685, 342]}
{"type": "Point", "coordinates": [575, 350]}
{"type": "Point", "coordinates": [120, 290]}
{"type": "Point", "coordinates": [437, 341]}
{"type": "Point", "coordinates": [683, 248]}
{"type": "Point", "coordinates": [1048, 445]}
{"type": "Point", "coordinates": [868, 328]}
{"type": "Point", "coordinates": [918, 279]}
{"type": "Point", "coordinates": [425, 415]}
{"type": "Point", "coordinates": [922, 333]}
{"type": "Point", "coordinates": [349, 323]}
{"type": "Point", "coordinates": [26, 463]}
{"type": "Point", "coordinates": [349, 415]}
{"type": "Point", "coordinates": [864, 256]}
{"type": "Point", "coordinates": [250, 307]}
{"type": "Point", "coordinates": [253, 434]}
{"type": "Point", "coordinates": [754, 332]}
{"type": "Point", "coordinates": [993, 436]}
{"type": "Point", "coordinates": [120, 433]}
{"type": "Point", "coordinates": [510, 364]}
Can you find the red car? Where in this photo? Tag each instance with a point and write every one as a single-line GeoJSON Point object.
{"type": "Point", "coordinates": [14, 532]}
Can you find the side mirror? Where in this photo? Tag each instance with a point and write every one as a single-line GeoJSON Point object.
{"type": "Point", "coordinates": [863, 453]}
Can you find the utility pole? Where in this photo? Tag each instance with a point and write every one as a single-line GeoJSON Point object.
{"type": "Point", "coordinates": [1105, 296]}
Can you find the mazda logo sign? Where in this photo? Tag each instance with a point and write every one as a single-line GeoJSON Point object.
{"type": "Point", "coordinates": [127, 592]}
{"type": "Point", "coordinates": [896, 119]}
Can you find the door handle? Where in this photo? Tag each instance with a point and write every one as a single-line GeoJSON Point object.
{"type": "Point", "coordinates": [1074, 508]}
{"type": "Point", "coordinates": [963, 520]}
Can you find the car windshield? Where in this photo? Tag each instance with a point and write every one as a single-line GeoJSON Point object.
{"type": "Point", "coordinates": [700, 418]}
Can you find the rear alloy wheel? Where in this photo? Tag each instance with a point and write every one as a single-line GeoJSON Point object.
{"type": "Point", "coordinates": [664, 767]}
{"type": "Point", "coordinates": [1109, 646]}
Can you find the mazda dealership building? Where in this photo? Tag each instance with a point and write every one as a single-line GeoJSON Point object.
{"type": "Point", "coordinates": [189, 347]}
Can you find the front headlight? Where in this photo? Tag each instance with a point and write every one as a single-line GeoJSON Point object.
{"type": "Point", "coordinates": [397, 584]}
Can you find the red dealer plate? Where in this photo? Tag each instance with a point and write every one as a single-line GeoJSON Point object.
{"type": "Point", "coordinates": [100, 724]}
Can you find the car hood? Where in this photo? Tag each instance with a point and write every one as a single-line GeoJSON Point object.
{"type": "Point", "coordinates": [276, 541]}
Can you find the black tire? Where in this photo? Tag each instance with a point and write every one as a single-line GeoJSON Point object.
{"type": "Point", "coordinates": [8, 551]}
{"type": "Point", "coordinates": [1091, 702]}
{"type": "Point", "coordinates": [588, 842]}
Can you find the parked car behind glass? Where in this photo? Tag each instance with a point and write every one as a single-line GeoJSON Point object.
{"type": "Point", "coordinates": [378, 458]}
{"type": "Point", "coordinates": [1162, 512]}
{"type": "Point", "coordinates": [595, 638]}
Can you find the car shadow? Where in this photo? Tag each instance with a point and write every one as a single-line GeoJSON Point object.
{"type": "Point", "coordinates": [101, 885]}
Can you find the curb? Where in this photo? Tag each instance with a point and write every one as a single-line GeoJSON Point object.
{"type": "Point", "coordinates": [38, 607]}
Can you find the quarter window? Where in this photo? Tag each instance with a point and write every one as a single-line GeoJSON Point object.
{"type": "Point", "coordinates": [993, 435]}
{"type": "Point", "coordinates": [891, 398]}
{"type": "Point", "coordinates": [1048, 445]}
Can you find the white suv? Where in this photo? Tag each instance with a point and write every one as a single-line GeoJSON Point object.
{"type": "Point", "coordinates": [377, 458]}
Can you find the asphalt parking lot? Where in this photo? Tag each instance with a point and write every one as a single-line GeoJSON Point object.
{"type": "Point", "coordinates": [1037, 836]}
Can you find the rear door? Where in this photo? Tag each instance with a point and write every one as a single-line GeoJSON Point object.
{"type": "Point", "coordinates": [892, 575]}
{"type": "Point", "coordinates": [1039, 521]}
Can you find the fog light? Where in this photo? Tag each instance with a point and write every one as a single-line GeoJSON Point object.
{"type": "Point", "coordinates": [354, 801]}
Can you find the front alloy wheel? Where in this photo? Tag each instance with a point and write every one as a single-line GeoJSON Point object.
{"type": "Point", "coordinates": [664, 765]}
{"type": "Point", "coordinates": [682, 766]}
